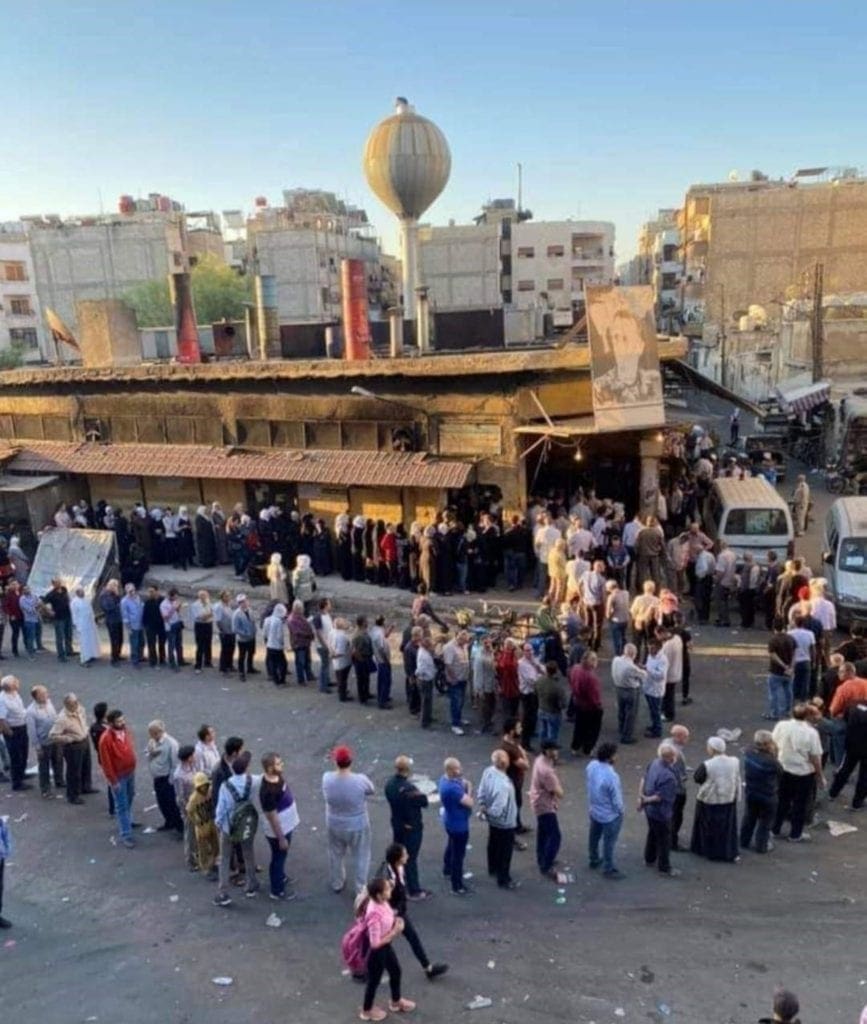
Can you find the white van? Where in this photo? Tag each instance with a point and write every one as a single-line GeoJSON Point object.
{"type": "Point", "coordinates": [844, 554]}
{"type": "Point", "coordinates": [750, 516]}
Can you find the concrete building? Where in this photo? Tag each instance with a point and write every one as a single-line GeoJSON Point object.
{"type": "Point", "coordinates": [301, 244]}
{"type": "Point", "coordinates": [21, 324]}
{"type": "Point", "coordinates": [658, 264]}
{"type": "Point", "coordinates": [757, 243]}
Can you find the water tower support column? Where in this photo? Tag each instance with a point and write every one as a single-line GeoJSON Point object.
{"type": "Point", "coordinates": [409, 263]}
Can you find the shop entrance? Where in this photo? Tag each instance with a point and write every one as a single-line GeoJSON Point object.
{"type": "Point", "coordinates": [608, 463]}
{"type": "Point", "coordinates": [262, 493]}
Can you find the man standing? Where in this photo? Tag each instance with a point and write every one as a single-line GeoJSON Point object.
{"type": "Point", "coordinates": [245, 636]}
{"type": "Point", "coordinates": [154, 628]}
{"type": "Point", "coordinates": [656, 799]}
{"type": "Point", "coordinates": [617, 614]}
{"type": "Point", "coordinates": [656, 672]}
{"type": "Point", "coordinates": [70, 733]}
{"type": "Point", "coordinates": [801, 504]}
{"type": "Point", "coordinates": [804, 660]}
{"type": "Point", "coordinates": [57, 599]}
{"type": "Point", "coordinates": [425, 674]}
{"type": "Point", "coordinates": [109, 603]}
{"type": "Point", "coordinates": [347, 820]}
{"type": "Point", "coordinates": [132, 614]}
{"type": "Point", "coordinates": [748, 590]}
{"type": "Point", "coordinates": [672, 649]}
{"type": "Point", "coordinates": [409, 652]}
{"type": "Point", "coordinates": [457, 665]}
{"type": "Point", "coordinates": [362, 658]}
{"type": "Point", "coordinates": [705, 566]}
{"type": "Point", "coordinates": [517, 768]}
{"type": "Point", "coordinates": [855, 756]}
{"type": "Point", "coordinates": [323, 627]}
{"type": "Point", "coordinates": [41, 716]}
{"type": "Point", "coordinates": [226, 634]}
{"type": "Point", "coordinates": [781, 654]}
{"type": "Point", "coordinates": [117, 760]}
{"type": "Point", "coordinates": [552, 692]}
{"type": "Point", "coordinates": [725, 576]}
{"type": "Point", "coordinates": [13, 729]}
{"type": "Point", "coordinates": [379, 635]}
{"type": "Point", "coordinates": [628, 679]}
{"type": "Point", "coordinates": [456, 797]}
{"type": "Point", "coordinates": [546, 792]}
{"type": "Point", "coordinates": [236, 826]}
{"type": "Point", "coordinates": [679, 738]}
{"type": "Point", "coordinates": [5, 852]}
{"type": "Point", "coordinates": [496, 799]}
{"type": "Point", "coordinates": [799, 751]}
{"type": "Point", "coordinates": [592, 589]}
{"type": "Point", "coordinates": [170, 610]}
{"type": "Point", "coordinates": [530, 671]}
{"type": "Point", "coordinates": [162, 753]}
{"type": "Point", "coordinates": [605, 806]}
{"type": "Point", "coordinates": [407, 802]}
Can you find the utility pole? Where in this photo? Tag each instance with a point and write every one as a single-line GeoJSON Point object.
{"type": "Point", "coordinates": [817, 323]}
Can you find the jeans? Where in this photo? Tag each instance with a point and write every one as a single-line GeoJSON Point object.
{"type": "Point", "coordinates": [618, 637]}
{"type": "Point", "coordinates": [355, 842]}
{"type": "Point", "coordinates": [461, 570]}
{"type": "Point", "coordinates": [324, 668]}
{"type": "Point", "coordinates": [547, 841]}
{"type": "Point", "coordinates": [15, 626]}
{"type": "Point", "coordinates": [63, 638]}
{"type": "Point", "coordinates": [758, 818]}
{"type": "Point", "coordinates": [246, 653]}
{"type": "Point", "coordinates": [654, 706]}
{"type": "Point", "coordinates": [136, 646]}
{"type": "Point", "coordinates": [226, 849]}
{"type": "Point", "coordinates": [515, 565]}
{"type": "Point", "coordinates": [607, 832]}
{"type": "Point", "coordinates": [627, 710]}
{"type": "Point", "coordinates": [550, 726]}
{"type": "Point", "coordinates": [303, 668]}
{"type": "Point", "coordinates": [453, 858]}
{"type": "Point", "coordinates": [457, 694]}
{"type": "Point", "coordinates": [277, 867]}
{"type": "Point", "coordinates": [779, 696]}
{"type": "Point", "coordinates": [29, 636]}
{"type": "Point", "coordinates": [342, 676]}
{"type": "Point", "coordinates": [175, 645]}
{"type": "Point", "coordinates": [383, 683]}
{"type": "Point", "coordinates": [49, 759]}
{"type": "Point", "coordinates": [801, 680]}
{"type": "Point", "coordinates": [124, 794]}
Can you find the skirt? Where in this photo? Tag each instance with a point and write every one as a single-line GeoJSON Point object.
{"type": "Point", "coordinates": [715, 831]}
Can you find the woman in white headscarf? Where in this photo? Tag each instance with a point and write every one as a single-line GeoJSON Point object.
{"type": "Point", "coordinates": [715, 827]}
{"type": "Point", "coordinates": [277, 579]}
{"type": "Point", "coordinates": [81, 610]}
{"type": "Point", "coordinates": [304, 582]}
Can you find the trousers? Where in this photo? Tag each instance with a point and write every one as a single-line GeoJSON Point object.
{"type": "Point", "coordinates": [356, 843]}
{"type": "Point", "coordinates": [501, 844]}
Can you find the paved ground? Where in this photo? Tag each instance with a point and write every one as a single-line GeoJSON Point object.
{"type": "Point", "coordinates": [98, 937]}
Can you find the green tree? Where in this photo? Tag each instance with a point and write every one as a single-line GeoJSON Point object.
{"type": "Point", "coordinates": [13, 357]}
{"type": "Point", "coordinates": [219, 292]}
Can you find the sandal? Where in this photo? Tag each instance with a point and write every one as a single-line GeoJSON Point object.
{"type": "Point", "coordinates": [374, 1013]}
{"type": "Point", "coordinates": [402, 1006]}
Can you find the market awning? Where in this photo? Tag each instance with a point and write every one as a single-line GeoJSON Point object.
{"type": "Point", "coordinates": [336, 468]}
{"type": "Point", "coordinates": [574, 427]}
{"type": "Point", "coordinates": [803, 399]}
{"type": "Point", "coordinates": [22, 484]}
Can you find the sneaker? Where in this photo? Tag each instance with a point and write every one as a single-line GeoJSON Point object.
{"type": "Point", "coordinates": [222, 899]}
{"type": "Point", "coordinates": [286, 896]}
{"type": "Point", "coordinates": [374, 1013]}
{"type": "Point", "coordinates": [128, 843]}
{"type": "Point", "coordinates": [671, 873]}
{"type": "Point", "coordinates": [510, 885]}
{"type": "Point", "coordinates": [436, 970]}
{"type": "Point", "coordinates": [251, 893]}
{"type": "Point", "coordinates": [420, 896]}
{"type": "Point", "coordinates": [457, 730]}
{"type": "Point", "coordinates": [804, 837]}
{"type": "Point", "coordinates": [614, 875]}
{"type": "Point", "coordinates": [460, 892]}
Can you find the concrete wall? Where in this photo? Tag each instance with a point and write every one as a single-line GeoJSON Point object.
{"type": "Point", "coordinates": [14, 248]}
{"type": "Point", "coordinates": [461, 266]}
{"type": "Point", "coordinates": [595, 264]}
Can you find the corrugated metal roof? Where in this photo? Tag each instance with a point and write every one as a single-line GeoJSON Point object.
{"type": "Point", "coordinates": [334, 468]}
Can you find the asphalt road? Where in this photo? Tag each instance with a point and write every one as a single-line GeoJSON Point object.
{"type": "Point", "coordinates": [99, 937]}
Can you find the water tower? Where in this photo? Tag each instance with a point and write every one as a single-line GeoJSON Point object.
{"type": "Point", "coordinates": [407, 164]}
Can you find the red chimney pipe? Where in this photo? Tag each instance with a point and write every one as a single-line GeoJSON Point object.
{"type": "Point", "coordinates": [185, 319]}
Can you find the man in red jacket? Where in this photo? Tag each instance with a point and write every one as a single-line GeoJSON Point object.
{"type": "Point", "coordinates": [117, 760]}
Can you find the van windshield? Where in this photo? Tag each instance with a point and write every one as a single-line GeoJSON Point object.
{"type": "Point", "coordinates": [853, 555]}
{"type": "Point", "coordinates": [756, 522]}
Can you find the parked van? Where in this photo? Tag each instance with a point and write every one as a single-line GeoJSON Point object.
{"type": "Point", "coordinates": [750, 516]}
{"type": "Point", "coordinates": [844, 553]}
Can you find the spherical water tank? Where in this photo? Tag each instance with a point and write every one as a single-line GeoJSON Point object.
{"type": "Point", "coordinates": [407, 161]}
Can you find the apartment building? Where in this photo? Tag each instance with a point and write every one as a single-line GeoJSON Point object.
{"type": "Point", "coordinates": [21, 324]}
{"type": "Point", "coordinates": [658, 264]}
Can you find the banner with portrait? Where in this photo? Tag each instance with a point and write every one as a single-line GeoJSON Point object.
{"type": "Point", "coordinates": [627, 384]}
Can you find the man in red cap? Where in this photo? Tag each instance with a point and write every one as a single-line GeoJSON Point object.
{"type": "Point", "coordinates": [347, 821]}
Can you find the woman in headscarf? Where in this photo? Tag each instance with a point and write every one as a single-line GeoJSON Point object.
{"type": "Point", "coordinates": [370, 554]}
{"type": "Point", "coordinates": [343, 541]}
{"type": "Point", "coordinates": [357, 545]}
{"type": "Point", "coordinates": [81, 610]}
{"type": "Point", "coordinates": [427, 558]}
{"type": "Point", "coordinates": [206, 542]}
{"type": "Point", "coordinates": [184, 533]}
{"type": "Point", "coordinates": [277, 579]}
{"type": "Point", "coordinates": [218, 518]}
{"type": "Point", "coordinates": [274, 629]}
{"type": "Point", "coordinates": [321, 549]}
{"type": "Point", "coordinates": [413, 553]}
{"type": "Point", "coordinates": [715, 827]}
{"type": "Point", "coordinates": [304, 582]}
{"type": "Point", "coordinates": [158, 536]}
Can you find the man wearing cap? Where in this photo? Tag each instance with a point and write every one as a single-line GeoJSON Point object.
{"type": "Point", "coordinates": [347, 820]}
{"type": "Point", "coordinates": [407, 802]}
{"type": "Point", "coordinates": [245, 634]}
{"type": "Point", "coordinates": [546, 792]}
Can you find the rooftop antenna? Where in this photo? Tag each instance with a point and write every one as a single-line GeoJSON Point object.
{"type": "Point", "coordinates": [520, 187]}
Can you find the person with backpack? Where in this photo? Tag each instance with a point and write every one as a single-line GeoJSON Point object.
{"type": "Point", "coordinates": [237, 820]}
{"type": "Point", "coordinates": [383, 926]}
{"type": "Point", "coordinates": [393, 868]}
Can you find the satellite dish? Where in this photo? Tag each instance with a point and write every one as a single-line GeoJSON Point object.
{"type": "Point", "coordinates": [734, 176]}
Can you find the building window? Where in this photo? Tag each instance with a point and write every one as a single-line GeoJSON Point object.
{"type": "Point", "coordinates": [24, 336]}
{"type": "Point", "coordinates": [96, 429]}
{"type": "Point", "coordinates": [19, 305]}
{"type": "Point", "coordinates": [526, 286]}
{"type": "Point", "coordinates": [14, 270]}
{"type": "Point", "coordinates": [556, 250]}
{"type": "Point", "coordinates": [256, 433]}
{"type": "Point", "coordinates": [526, 252]}
{"type": "Point", "coordinates": [555, 284]}
{"type": "Point", "coordinates": [669, 253]}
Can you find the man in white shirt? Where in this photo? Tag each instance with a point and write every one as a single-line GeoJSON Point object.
{"type": "Point", "coordinates": [705, 566]}
{"type": "Point", "coordinates": [545, 537]}
{"type": "Point", "coordinates": [725, 575]}
{"type": "Point", "coordinates": [824, 612]}
{"type": "Point", "coordinates": [628, 679]}
{"type": "Point", "coordinates": [13, 729]}
{"type": "Point", "coordinates": [672, 649]}
{"type": "Point", "coordinates": [630, 536]}
{"type": "Point", "coordinates": [579, 540]}
{"type": "Point", "coordinates": [530, 670]}
{"type": "Point", "coordinates": [456, 659]}
{"type": "Point", "coordinates": [799, 751]}
{"type": "Point", "coordinates": [323, 626]}
{"type": "Point", "coordinates": [591, 586]}
{"type": "Point", "coordinates": [425, 674]}
{"type": "Point", "coordinates": [643, 612]}
{"type": "Point", "coordinates": [805, 653]}
{"type": "Point", "coordinates": [656, 672]}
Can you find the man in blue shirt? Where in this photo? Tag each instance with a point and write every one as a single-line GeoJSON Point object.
{"type": "Point", "coordinates": [656, 799]}
{"type": "Point", "coordinates": [456, 796]}
{"type": "Point", "coordinates": [605, 804]}
{"type": "Point", "coordinates": [132, 615]}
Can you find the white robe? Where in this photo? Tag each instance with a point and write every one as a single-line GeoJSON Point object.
{"type": "Point", "coordinates": [85, 623]}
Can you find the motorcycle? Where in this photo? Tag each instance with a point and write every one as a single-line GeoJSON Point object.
{"type": "Point", "coordinates": [844, 482]}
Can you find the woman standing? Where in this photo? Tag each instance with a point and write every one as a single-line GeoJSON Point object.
{"type": "Point", "coordinates": [279, 821]}
{"type": "Point", "coordinates": [203, 629]}
{"type": "Point", "coordinates": [762, 773]}
{"type": "Point", "coordinates": [274, 628]}
{"type": "Point", "coordinates": [383, 926]}
{"type": "Point", "coordinates": [343, 544]}
{"type": "Point", "coordinates": [341, 653]}
{"type": "Point", "coordinates": [184, 533]}
{"type": "Point", "coordinates": [304, 582]}
{"type": "Point", "coordinates": [277, 579]}
{"type": "Point", "coordinates": [715, 827]}
{"type": "Point", "coordinates": [427, 558]}
{"type": "Point", "coordinates": [321, 549]}
{"type": "Point", "coordinates": [206, 542]}
{"type": "Point", "coordinates": [557, 573]}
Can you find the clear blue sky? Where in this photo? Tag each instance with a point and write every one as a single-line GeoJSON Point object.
{"type": "Point", "coordinates": [613, 108]}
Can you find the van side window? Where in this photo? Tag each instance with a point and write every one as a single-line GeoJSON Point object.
{"type": "Point", "coordinates": [833, 543]}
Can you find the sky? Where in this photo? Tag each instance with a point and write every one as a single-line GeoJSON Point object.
{"type": "Point", "coordinates": [613, 108]}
